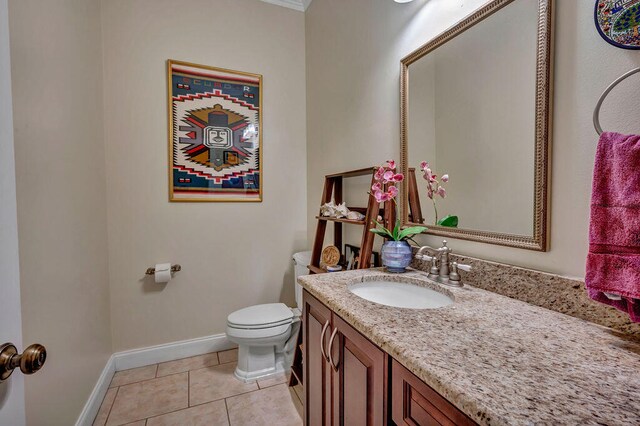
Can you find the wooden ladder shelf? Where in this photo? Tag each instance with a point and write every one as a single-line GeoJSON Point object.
{"type": "Point", "coordinates": [333, 190]}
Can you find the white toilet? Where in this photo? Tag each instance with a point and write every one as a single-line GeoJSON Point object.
{"type": "Point", "coordinates": [267, 334]}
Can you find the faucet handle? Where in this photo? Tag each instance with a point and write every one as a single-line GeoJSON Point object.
{"type": "Point", "coordinates": [424, 257]}
{"type": "Point", "coordinates": [463, 267]}
{"type": "Point", "coordinates": [454, 276]}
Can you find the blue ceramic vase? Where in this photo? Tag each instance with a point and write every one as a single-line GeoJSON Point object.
{"type": "Point", "coordinates": [396, 256]}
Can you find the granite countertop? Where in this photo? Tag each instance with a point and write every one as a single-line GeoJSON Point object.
{"type": "Point", "coordinates": [499, 360]}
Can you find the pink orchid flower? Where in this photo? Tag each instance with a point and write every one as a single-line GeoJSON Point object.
{"type": "Point", "coordinates": [398, 177]}
{"type": "Point", "coordinates": [393, 191]}
{"type": "Point", "coordinates": [391, 164]}
{"type": "Point", "coordinates": [379, 173]}
{"type": "Point", "coordinates": [388, 176]}
{"type": "Point", "coordinates": [434, 186]}
{"type": "Point", "coordinates": [376, 187]}
{"type": "Point", "coordinates": [381, 196]}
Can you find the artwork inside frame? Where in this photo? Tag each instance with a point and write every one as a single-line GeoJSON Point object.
{"type": "Point", "coordinates": [215, 133]}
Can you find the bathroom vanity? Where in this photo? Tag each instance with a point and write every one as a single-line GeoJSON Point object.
{"type": "Point", "coordinates": [484, 359]}
{"type": "Point", "coordinates": [348, 381]}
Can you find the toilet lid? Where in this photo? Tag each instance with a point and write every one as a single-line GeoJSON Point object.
{"type": "Point", "coordinates": [259, 316]}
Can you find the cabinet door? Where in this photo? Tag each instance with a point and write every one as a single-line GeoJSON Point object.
{"type": "Point", "coordinates": [415, 403]}
{"type": "Point", "coordinates": [359, 384]}
{"type": "Point", "coordinates": [317, 372]}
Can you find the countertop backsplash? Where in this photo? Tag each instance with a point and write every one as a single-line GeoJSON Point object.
{"type": "Point", "coordinates": [560, 294]}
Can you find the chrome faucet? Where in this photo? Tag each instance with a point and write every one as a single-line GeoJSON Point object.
{"type": "Point", "coordinates": [442, 270]}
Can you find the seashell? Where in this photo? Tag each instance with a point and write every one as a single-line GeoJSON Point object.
{"type": "Point", "coordinates": [355, 216]}
{"type": "Point", "coordinates": [341, 211]}
{"type": "Point", "coordinates": [328, 209]}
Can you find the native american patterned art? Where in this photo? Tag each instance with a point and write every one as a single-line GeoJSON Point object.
{"type": "Point", "coordinates": [618, 22]}
{"type": "Point", "coordinates": [215, 141]}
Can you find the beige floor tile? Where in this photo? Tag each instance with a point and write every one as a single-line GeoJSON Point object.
{"type": "Point", "coordinates": [213, 413]}
{"type": "Point", "coordinates": [150, 398]}
{"type": "Point", "coordinates": [277, 405]}
{"type": "Point", "coordinates": [272, 381]}
{"type": "Point", "coordinates": [186, 364]}
{"type": "Point", "coordinates": [134, 375]}
{"type": "Point", "coordinates": [299, 390]}
{"type": "Point", "coordinates": [107, 402]}
{"type": "Point", "coordinates": [212, 383]}
{"type": "Point", "coordinates": [138, 423]}
{"type": "Point", "coordinates": [228, 356]}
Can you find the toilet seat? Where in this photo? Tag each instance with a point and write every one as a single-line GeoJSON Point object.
{"type": "Point", "coordinates": [256, 334]}
{"type": "Point", "coordinates": [266, 316]}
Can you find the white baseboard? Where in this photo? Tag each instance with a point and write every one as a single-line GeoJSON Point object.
{"type": "Point", "coordinates": [171, 351]}
{"type": "Point", "coordinates": [146, 356]}
{"type": "Point", "coordinates": [92, 406]}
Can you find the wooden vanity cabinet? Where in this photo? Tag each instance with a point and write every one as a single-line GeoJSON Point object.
{"type": "Point", "coordinates": [350, 381]}
{"type": "Point", "coordinates": [415, 403]}
{"type": "Point", "coordinates": [348, 385]}
{"type": "Point", "coordinates": [317, 371]}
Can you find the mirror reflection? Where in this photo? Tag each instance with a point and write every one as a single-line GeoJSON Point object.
{"type": "Point", "coordinates": [471, 116]}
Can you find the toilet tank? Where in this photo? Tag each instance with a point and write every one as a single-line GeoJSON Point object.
{"type": "Point", "coordinates": [300, 262]}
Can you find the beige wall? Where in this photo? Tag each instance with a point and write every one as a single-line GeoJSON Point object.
{"type": "Point", "coordinates": [232, 254]}
{"type": "Point", "coordinates": [353, 54]}
{"type": "Point", "coordinates": [57, 101]}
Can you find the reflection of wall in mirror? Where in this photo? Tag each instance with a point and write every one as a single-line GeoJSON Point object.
{"type": "Point", "coordinates": [422, 126]}
{"type": "Point", "coordinates": [483, 98]}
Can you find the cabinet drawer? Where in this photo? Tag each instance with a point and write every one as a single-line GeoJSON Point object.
{"type": "Point", "coordinates": [415, 403]}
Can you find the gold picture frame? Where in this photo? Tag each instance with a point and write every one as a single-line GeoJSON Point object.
{"type": "Point", "coordinates": [215, 134]}
{"type": "Point", "coordinates": [543, 125]}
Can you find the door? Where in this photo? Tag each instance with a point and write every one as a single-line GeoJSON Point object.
{"type": "Point", "coordinates": [415, 403]}
{"type": "Point", "coordinates": [11, 390]}
{"type": "Point", "coordinates": [359, 377]}
{"type": "Point", "coordinates": [317, 377]}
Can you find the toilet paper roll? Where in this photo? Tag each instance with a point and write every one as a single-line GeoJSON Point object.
{"type": "Point", "coordinates": [163, 273]}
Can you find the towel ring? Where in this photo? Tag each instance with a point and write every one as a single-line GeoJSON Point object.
{"type": "Point", "coordinates": [596, 112]}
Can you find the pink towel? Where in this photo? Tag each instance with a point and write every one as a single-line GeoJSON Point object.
{"type": "Point", "coordinates": [613, 263]}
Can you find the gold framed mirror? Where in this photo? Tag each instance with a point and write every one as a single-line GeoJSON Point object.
{"type": "Point", "coordinates": [480, 106]}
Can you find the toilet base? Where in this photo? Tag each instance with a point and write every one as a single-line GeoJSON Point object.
{"type": "Point", "coordinates": [263, 367]}
{"type": "Point", "coordinates": [263, 359]}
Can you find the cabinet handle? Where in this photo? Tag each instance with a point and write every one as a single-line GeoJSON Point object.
{"type": "Point", "coordinates": [333, 336]}
{"type": "Point", "coordinates": [324, 331]}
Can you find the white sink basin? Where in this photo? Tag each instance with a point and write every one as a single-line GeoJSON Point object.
{"type": "Point", "coordinates": [400, 295]}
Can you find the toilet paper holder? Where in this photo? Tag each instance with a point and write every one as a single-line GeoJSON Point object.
{"type": "Point", "coordinates": [174, 268]}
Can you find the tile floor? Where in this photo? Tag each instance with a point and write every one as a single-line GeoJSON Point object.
{"type": "Point", "coordinates": [198, 391]}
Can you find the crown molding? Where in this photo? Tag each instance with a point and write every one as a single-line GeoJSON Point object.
{"type": "Point", "coordinates": [299, 5]}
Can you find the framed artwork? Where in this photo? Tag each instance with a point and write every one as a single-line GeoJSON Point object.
{"type": "Point", "coordinates": [618, 22]}
{"type": "Point", "coordinates": [215, 134]}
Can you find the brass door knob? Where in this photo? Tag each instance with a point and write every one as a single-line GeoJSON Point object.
{"type": "Point", "coordinates": [30, 361]}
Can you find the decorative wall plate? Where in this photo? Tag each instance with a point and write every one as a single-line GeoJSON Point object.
{"type": "Point", "coordinates": [618, 22]}
{"type": "Point", "coordinates": [330, 256]}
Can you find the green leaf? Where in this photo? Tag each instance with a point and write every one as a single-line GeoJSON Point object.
{"type": "Point", "coordinates": [382, 232]}
{"type": "Point", "coordinates": [411, 231]}
{"type": "Point", "coordinates": [449, 221]}
{"type": "Point", "coordinates": [396, 230]}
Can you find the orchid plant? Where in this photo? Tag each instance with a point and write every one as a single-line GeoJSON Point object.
{"type": "Point", "coordinates": [435, 188]}
{"type": "Point", "coordinates": [385, 189]}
